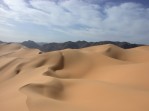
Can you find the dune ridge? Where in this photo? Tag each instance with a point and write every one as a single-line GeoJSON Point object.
{"type": "Point", "coordinates": [97, 78]}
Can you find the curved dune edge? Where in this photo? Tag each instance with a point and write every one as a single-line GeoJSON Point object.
{"type": "Point", "coordinates": [98, 78]}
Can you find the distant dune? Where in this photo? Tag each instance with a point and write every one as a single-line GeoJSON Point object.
{"type": "Point", "coordinates": [97, 78]}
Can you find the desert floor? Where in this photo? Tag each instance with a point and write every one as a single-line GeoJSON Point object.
{"type": "Point", "coordinates": [99, 78]}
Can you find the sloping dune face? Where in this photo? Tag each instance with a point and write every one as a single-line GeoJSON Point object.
{"type": "Point", "coordinates": [99, 78]}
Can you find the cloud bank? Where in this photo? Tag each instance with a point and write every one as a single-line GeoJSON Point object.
{"type": "Point", "coordinates": [57, 20]}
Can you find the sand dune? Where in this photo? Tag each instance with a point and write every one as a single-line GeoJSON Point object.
{"type": "Point", "coordinates": [98, 78]}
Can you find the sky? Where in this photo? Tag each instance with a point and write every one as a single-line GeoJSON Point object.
{"type": "Point", "coordinates": [73, 20]}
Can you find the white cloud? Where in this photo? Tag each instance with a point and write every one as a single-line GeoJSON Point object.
{"type": "Point", "coordinates": [128, 19]}
{"type": "Point", "coordinates": [81, 18]}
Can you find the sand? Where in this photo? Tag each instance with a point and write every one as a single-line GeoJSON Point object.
{"type": "Point", "coordinates": [99, 78]}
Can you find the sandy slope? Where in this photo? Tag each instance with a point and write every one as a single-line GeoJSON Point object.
{"type": "Point", "coordinates": [100, 78]}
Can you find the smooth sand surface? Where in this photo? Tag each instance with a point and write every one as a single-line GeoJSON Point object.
{"type": "Point", "coordinates": [99, 78]}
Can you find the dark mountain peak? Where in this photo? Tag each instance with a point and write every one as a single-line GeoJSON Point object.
{"type": "Point", "coordinates": [70, 44]}
{"type": "Point", "coordinates": [31, 44]}
{"type": "Point", "coordinates": [1, 42]}
{"type": "Point", "coordinates": [29, 41]}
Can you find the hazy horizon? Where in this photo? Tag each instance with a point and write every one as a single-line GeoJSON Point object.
{"type": "Point", "coordinates": [70, 41]}
{"type": "Point", "coordinates": [74, 20]}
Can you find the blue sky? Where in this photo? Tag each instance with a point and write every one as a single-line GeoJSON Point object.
{"type": "Point", "coordinates": [73, 20]}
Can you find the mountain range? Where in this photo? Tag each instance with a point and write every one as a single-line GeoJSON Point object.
{"type": "Point", "coordinates": [74, 45]}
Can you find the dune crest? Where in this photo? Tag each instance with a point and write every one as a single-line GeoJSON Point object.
{"type": "Point", "coordinates": [98, 78]}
